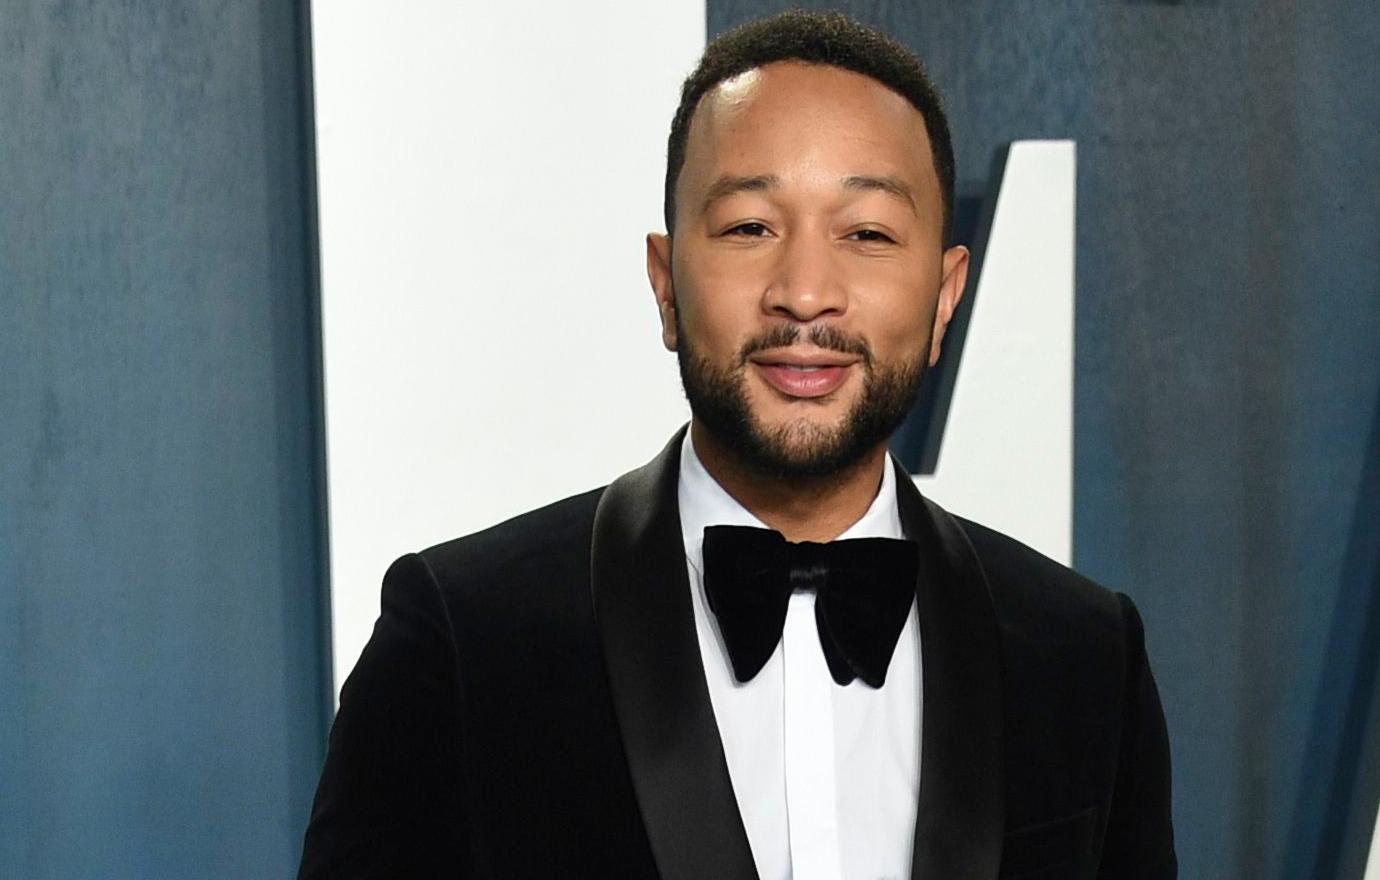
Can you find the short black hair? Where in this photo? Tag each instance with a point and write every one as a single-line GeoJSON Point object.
{"type": "Point", "coordinates": [815, 38]}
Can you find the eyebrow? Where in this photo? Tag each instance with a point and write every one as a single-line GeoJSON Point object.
{"type": "Point", "coordinates": [729, 185]}
{"type": "Point", "coordinates": [891, 185]}
{"type": "Point", "coordinates": [732, 184]}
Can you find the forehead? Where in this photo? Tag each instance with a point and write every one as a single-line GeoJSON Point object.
{"type": "Point", "coordinates": [792, 111]}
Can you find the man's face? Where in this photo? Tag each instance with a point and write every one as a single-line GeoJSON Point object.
{"type": "Point", "coordinates": [808, 286]}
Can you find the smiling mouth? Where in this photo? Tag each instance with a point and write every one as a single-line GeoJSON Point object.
{"type": "Point", "coordinates": [803, 381]}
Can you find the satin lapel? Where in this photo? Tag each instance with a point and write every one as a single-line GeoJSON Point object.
{"type": "Point", "coordinates": [646, 622]}
{"type": "Point", "coordinates": [959, 825]}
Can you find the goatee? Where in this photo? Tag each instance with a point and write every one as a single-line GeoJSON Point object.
{"type": "Point", "coordinates": [801, 448]}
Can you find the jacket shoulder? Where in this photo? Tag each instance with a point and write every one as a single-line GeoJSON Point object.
{"type": "Point", "coordinates": [531, 546]}
{"type": "Point", "coordinates": [1030, 590]}
{"type": "Point", "coordinates": [1082, 719]}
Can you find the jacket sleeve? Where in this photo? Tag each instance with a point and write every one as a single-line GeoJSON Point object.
{"type": "Point", "coordinates": [389, 803]}
{"type": "Point", "coordinates": [1139, 841]}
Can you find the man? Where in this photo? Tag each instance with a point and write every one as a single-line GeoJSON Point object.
{"type": "Point", "coordinates": [643, 681]}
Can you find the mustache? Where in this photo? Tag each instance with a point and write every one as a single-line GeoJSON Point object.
{"type": "Point", "coordinates": [822, 335]}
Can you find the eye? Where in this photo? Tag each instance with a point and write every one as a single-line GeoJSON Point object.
{"type": "Point", "coordinates": [750, 229]}
{"type": "Point", "coordinates": [871, 235]}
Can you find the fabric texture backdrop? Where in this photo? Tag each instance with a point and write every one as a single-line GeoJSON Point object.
{"type": "Point", "coordinates": [162, 689]}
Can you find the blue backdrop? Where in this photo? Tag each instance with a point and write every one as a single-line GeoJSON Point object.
{"type": "Point", "coordinates": [162, 693]}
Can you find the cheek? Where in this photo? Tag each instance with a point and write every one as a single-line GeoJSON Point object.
{"type": "Point", "coordinates": [716, 332]}
{"type": "Point", "coordinates": [719, 308]}
{"type": "Point", "coordinates": [899, 319]}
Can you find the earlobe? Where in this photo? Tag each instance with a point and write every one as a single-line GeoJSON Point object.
{"type": "Point", "coordinates": [951, 284]}
{"type": "Point", "coordinates": [668, 326]}
{"type": "Point", "coordinates": [659, 275]}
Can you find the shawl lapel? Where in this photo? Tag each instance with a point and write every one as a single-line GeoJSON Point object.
{"type": "Point", "coordinates": [959, 823]}
{"type": "Point", "coordinates": [641, 595]}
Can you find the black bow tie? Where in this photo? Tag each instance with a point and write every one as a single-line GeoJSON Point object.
{"type": "Point", "coordinates": [863, 587]}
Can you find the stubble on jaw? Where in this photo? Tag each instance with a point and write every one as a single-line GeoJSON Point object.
{"type": "Point", "coordinates": [802, 449]}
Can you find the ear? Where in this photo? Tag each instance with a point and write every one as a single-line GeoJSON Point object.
{"type": "Point", "coordinates": [955, 276]}
{"type": "Point", "coordinates": [659, 274]}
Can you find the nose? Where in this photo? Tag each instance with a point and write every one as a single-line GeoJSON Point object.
{"type": "Point", "coordinates": [806, 281]}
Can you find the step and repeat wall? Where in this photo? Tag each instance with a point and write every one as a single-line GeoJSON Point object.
{"type": "Point", "coordinates": [205, 467]}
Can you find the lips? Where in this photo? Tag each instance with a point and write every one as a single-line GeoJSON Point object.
{"type": "Point", "coordinates": [803, 377]}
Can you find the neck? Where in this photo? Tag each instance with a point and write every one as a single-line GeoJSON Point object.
{"type": "Point", "coordinates": [801, 509]}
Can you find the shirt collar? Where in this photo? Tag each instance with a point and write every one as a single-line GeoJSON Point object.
{"type": "Point", "coordinates": [703, 502]}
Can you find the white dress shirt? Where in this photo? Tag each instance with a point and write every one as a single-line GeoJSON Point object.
{"type": "Point", "coordinates": [826, 777]}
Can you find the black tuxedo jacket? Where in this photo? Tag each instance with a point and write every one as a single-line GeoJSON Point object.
{"type": "Point", "coordinates": [532, 704]}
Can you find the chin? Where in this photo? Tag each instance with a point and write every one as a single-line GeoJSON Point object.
{"type": "Point", "coordinates": [798, 430]}
{"type": "Point", "coordinates": [803, 446]}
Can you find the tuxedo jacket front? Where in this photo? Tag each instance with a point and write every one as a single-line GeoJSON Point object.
{"type": "Point", "coordinates": [532, 704]}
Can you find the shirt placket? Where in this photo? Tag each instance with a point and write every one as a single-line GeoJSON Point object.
{"type": "Point", "coordinates": [811, 801]}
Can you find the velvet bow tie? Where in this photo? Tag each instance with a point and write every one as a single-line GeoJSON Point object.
{"type": "Point", "coordinates": [863, 590]}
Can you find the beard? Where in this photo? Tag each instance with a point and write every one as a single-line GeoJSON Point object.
{"type": "Point", "coordinates": [801, 448]}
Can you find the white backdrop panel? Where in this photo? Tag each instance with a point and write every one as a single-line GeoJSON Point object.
{"type": "Point", "coordinates": [1007, 456]}
{"type": "Point", "coordinates": [487, 173]}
